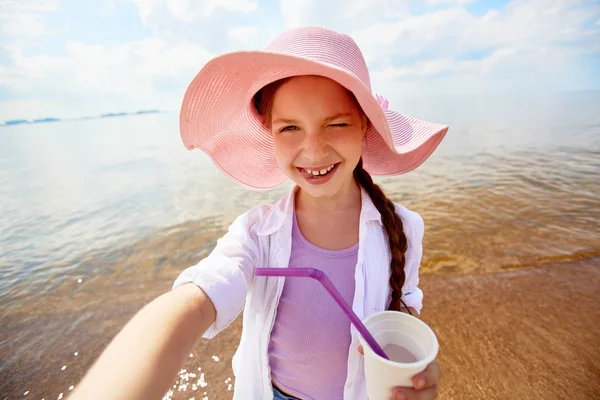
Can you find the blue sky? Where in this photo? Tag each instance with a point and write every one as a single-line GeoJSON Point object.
{"type": "Point", "coordinates": [68, 58]}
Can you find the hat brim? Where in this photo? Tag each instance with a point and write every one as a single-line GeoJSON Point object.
{"type": "Point", "coordinates": [218, 116]}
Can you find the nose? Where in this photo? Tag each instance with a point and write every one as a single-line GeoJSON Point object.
{"type": "Point", "coordinates": [315, 147]}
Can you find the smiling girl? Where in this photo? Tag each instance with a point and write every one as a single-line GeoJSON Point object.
{"type": "Point", "coordinates": [301, 110]}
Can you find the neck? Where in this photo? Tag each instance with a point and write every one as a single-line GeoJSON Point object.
{"type": "Point", "coordinates": [347, 198]}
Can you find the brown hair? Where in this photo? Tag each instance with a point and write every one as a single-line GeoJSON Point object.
{"type": "Point", "coordinates": [394, 230]}
{"type": "Point", "coordinates": [398, 244]}
{"type": "Point", "coordinates": [263, 100]}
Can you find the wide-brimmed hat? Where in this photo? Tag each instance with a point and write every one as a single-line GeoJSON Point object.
{"type": "Point", "coordinates": [218, 114]}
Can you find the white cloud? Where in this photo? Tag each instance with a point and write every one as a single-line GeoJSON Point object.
{"type": "Point", "coordinates": [486, 65]}
{"type": "Point", "coordinates": [479, 67]}
{"type": "Point", "coordinates": [148, 73]}
{"type": "Point", "coordinates": [533, 40]}
{"type": "Point", "coordinates": [24, 18]}
{"type": "Point", "coordinates": [140, 74]}
{"type": "Point", "coordinates": [341, 14]}
{"type": "Point", "coordinates": [244, 35]}
{"type": "Point", "coordinates": [191, 10]}
{"type": "Point", "coordinates": [424, 68]}
{"type": "Point", "coordinates": [23, 24]}
{"type": "Point", "coordinates": [456, 31]}
{"type": "Point", "coordinates": [205, 22]}
{"type": "Point", "coordinates": [386, 28]}
{"type": "Point", "coordinates": [449, 2]}
{"type": "Point", "coordinates": [28, 5]}
{"type": "Point", "coordinates": [296, 13]}
{"type": "Point", "coordinates": [129, 69]}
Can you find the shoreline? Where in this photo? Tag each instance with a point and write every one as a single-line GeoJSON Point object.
{"type": "Point", "coordinates": [523, 333]}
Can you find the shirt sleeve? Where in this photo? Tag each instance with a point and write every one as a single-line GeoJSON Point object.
{"type": "Point", "coordinates": [414, 229]}
{"type": "Point", "coordinates": [226, 273]}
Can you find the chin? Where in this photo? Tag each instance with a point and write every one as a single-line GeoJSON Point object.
{"type": "Point", "coordinates": [323, 192]}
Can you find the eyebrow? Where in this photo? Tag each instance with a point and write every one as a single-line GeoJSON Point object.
{"type": "Point", "coordinates": [284, 121]}
{"type": "Point", "coordinates": [338, 115]}
{"type": "Point", "coordinates": [328, 119]}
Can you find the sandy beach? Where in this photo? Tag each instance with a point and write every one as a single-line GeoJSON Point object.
{"type": "Point", "coordinates": [530, 333]}
{"type": "Point", "coordinates": [524, 334]}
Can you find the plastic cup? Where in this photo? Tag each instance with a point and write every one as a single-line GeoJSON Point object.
{"type": "Point", "coordinates": [396, 329]}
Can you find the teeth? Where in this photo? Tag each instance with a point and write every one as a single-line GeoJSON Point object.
{"type": "Point", "coordinates": [321, 172]}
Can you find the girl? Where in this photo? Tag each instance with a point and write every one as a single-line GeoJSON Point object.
{"type": "Point", "coordinates": [302, 109]}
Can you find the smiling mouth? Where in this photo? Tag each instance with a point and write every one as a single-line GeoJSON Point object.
{"type": "Point", "coordinates": [318, 173]}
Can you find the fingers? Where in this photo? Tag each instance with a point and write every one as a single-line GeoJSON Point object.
{"type": "Point", "coordinates": [429, 377]}
{"type": "Point", "coordinates": [412, 394]}
{"type": "Point", "coordinates": [425, 385]}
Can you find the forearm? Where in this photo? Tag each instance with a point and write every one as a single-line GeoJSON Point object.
{"type": "Point", "coordinates": [143, 359]}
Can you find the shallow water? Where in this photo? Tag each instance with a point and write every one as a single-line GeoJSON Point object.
{"type": "Point", "coordinates": [115, 208]}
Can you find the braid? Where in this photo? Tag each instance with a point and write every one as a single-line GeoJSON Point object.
{"type": "Point", "coordinates": [395, 233]}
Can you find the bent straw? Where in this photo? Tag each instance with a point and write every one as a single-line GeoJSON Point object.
{"type": "Point", "coordinates": [322, 277]}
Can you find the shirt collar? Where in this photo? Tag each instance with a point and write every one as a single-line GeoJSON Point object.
{"type": "Point", "coordinates": [283, 212]}
{"type": "Point", "coordinates": [368, 211]}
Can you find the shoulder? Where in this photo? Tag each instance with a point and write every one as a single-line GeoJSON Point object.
{"type": "Point", "coordinates": [414, 226]}
{"type": "Point", "coordinates": [252, 220]}
{"type": "Point", "coordinates": [244, 232]}
{"type": "Point", "coordinates": [267, 219]}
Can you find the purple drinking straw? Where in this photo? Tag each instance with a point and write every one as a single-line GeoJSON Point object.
{"type": "Point", "coordinates": [321, 277]}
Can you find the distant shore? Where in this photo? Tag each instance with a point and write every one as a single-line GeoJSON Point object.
{"type": "Point", "coordinates": [529, 333]}
{"type": "Point", "coordinates": [14, 122]}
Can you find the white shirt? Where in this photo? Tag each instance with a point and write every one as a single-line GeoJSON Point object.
{"type": "Point", "coordinates": [262, 237]}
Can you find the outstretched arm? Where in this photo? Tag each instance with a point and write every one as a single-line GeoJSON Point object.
{"type": "Point", "coordinates": [143, 359]}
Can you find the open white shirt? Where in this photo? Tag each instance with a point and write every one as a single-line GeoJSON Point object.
{"type": "Point", "coordinates": [262, 237]}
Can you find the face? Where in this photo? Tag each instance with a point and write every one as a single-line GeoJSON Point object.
{"type": "Point", "coordinates": [318, 130]}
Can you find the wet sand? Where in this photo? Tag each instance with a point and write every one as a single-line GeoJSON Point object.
{"type": "Point", "coordinates": [529, 333]}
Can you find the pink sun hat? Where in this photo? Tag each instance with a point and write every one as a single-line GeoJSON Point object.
{"type": "Point", "coordinates": [218, 114]}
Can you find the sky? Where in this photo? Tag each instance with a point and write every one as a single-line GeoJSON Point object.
{"type": "Point", "coordinates": [71, 58]}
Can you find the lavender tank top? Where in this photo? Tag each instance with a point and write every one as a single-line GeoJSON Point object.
{"type": "Point", "coordinates": [308, 351]}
